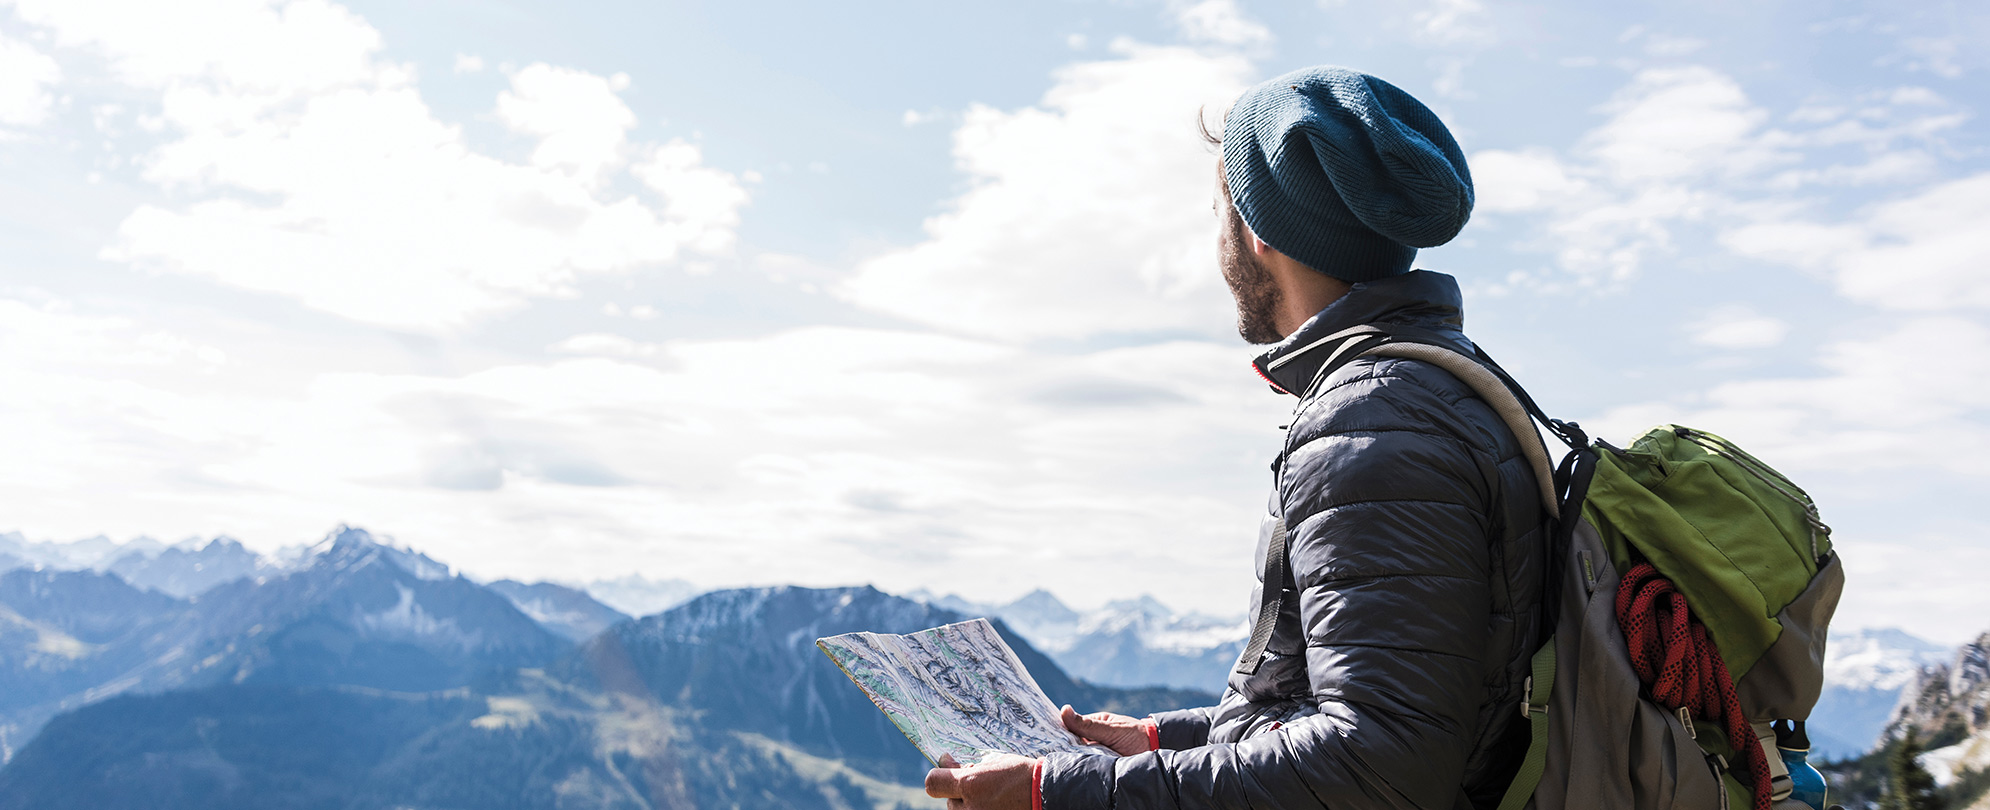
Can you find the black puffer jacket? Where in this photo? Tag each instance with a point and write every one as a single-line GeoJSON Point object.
{"type": "Point", "coordinates": [1394, 676]}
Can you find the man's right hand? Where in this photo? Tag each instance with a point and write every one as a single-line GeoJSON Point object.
{"type": "Point", "coordinates": [1126, 736]}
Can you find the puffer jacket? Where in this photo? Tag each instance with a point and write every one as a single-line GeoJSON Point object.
{"type": "Point", "coordinates": [1395, 671]}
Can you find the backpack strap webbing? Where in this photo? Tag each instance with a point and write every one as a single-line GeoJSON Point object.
{"type": "Point", "coordinates": [1496, 393]}
{"type": "Point", "coordinates": [1540, 688]}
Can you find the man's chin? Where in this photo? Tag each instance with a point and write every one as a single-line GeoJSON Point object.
{"type": "Point", "coordinates": [1257, 332]}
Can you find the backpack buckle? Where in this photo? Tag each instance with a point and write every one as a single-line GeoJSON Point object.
{"type": "Point", "coordinates": [1527, 705]}
{"type": "Point", "coordinates": [1686, 719]}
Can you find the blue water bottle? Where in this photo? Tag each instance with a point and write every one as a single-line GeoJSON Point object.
{"type": "Point", "coordinates": [1807, 785]}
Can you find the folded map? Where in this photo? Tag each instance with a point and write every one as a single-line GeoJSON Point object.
{"type": "Point", "coordinates": [955, 690]}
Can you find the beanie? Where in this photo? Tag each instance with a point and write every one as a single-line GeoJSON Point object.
{"type": "Point", "coordinates": [1344, 172]}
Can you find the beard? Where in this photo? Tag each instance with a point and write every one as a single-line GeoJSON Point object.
{"type": "Point", "coordinates": [1251, 284]}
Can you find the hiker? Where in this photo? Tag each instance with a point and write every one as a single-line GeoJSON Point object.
{"type": "Point", "coordinates": [1404, 527]}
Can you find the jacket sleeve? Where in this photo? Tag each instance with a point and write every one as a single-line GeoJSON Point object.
{"type": "Point", "coordinates": [1186, 728]}
{"type": "Point", "coordinates": [1387, 510]}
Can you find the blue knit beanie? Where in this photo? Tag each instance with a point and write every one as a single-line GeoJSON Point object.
{"type": "Point", "coordinates": [1344, 172]}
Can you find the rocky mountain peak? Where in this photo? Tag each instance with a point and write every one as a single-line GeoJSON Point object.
{"type": "Point", "coordinates": [1956, 693]}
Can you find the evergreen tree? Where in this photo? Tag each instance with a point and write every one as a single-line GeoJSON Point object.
{"type": "Point", "coordinates": [1908, 785]}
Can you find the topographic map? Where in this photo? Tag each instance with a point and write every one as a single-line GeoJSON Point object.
{"type": "Point", "coordinates": [956, 690]}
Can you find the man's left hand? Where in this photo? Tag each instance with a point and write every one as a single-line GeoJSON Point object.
{"type": "Point", "coordinates": [1000, 782]}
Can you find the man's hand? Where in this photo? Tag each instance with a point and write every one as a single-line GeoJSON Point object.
{"type": "Point", "coordinates": [1126, 736]}
{"type": "Point", "coordinates": [1000, 782]}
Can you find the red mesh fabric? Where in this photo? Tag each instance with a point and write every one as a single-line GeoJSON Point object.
{"type": "Point", "coordinates": [1678, 662]}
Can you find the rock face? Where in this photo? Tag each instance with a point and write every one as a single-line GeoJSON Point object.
{"type": "Point", "coordinates": [1949, 709]}
{"type": "Point", "coordinates": [1952, 694]}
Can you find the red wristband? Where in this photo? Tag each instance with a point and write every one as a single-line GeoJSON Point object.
{"type": "Point", "coordinates": [1153, 734]}
{"type": "Point", "coordinates": [1036, 785]}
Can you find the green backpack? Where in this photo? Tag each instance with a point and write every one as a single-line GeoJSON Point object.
{"type": "Point", "coordinates": [1742, 545]}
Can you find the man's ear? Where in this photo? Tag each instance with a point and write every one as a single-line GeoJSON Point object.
{"type": "Point", "coordinates": [1261, 247]}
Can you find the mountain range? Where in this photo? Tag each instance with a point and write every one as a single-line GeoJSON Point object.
{"type": "Point", "coordinates": [1131, 642]}
{"type": "Point", "coordinates": [363, 675]}
{"type": "Point", "coordinates": [172, 664]}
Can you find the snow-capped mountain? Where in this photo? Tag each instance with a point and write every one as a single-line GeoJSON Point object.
{"type": "Point", "coordinates": [1864, 673]}
{"type": "Point", "coordinates": [353, 612]}
{"type": "Point", "coordinates": [90, 553]}
{"type": "Point", "coordinates": [189, 568]}
{"type": "Point", "coordinates": [1948, 707]}
{"type": "Point", "coordinates": [569, 612]}
{"type": "Point", "coordinates": [1131, 642]}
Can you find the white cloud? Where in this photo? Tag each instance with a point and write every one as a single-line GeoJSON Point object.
{"type": "Point", "coordinates": [1672, 135]}
{"type": "Point", "coordinates": [1532, 180]}
{"type": "Point", "coordinates": [299, 46]}
{"type": "Point", "coordinates": [1681, 123]}
{"type": "Point", "coordinates": [818, 456]}
{"type": "Point", "coordinates": [469, 63]}
{"type": "Point", "coordinates": [1685, 146]}
{"type": "Point", "coordinates": [1737, 326]}
{"type": "Point", "coordinates": [1219, 22]}
{"type": "Point", "coordinates": [316, 171]}
{"type": "Point", "coordinates": [701, 202]}
{"type": "Point", "coordinates": [1453, 23]}
{"type": "Point", "coordinates": [1915, 397]}
{"type": "Point", "coordinates": [26, 75]}
{"type": "Point", "coordinates": [1926, 251]}
{"type": "Point", "coordinates": [580, 122]}
{"type": "Point", "coordinates": [1089, 213]}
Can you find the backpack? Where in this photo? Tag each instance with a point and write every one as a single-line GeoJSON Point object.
{"type": "Point", "coordinates": [1688, 585]}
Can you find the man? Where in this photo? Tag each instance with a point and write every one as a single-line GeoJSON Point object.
{"type": "Point", "coordinates": [1411, 521]}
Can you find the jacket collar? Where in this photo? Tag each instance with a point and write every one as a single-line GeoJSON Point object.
{"type": "Point", "coordinates": [1419, 298]}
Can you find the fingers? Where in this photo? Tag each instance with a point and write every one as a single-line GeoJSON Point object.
{"type": "Point", "coordinates": [948, 761]}
{"type": "Point", "coordinates": [943, 783]}
{"type": "Point", "coordinates": [956, 804]}
{"type": "Point", "coordinates": [1077, 723]}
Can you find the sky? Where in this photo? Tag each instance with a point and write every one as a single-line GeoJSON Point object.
{"type": "Point", "coordinates": [923, 295]}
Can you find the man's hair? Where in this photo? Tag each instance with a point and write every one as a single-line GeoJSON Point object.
{"type": "Point", "coordinates": [1211, 137]}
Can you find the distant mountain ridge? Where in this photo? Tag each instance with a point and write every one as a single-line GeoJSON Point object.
{"type": "Point", "coordinates": [356, 611]}
{"type": "Point", "coordinates": [353, 612]}
{"type": "Point", "coordinates": [1130, 642]}
{"type": "Point", "coordinates": [722, 701]}
{"type": "Point", "coordinates": [1865, 672]}
{"type": "Point", "coordinates": [192, 566]}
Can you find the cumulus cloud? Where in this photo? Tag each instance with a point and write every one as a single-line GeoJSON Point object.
{"type": "Point", "coordinates": [1671, 134]}
{"type": "Point", "coordinates": [1089, 212]}
{"type": "Point", "coordinates": [1685, 146]}
{"type": "Point", "coordinates": [314, 170]}
{"type": "Point", "coordinates": [581, 123]}
{"type": "Point", "coordinates": [1926, 251]}
{"type": "Point", "coordinates": [26, 75]}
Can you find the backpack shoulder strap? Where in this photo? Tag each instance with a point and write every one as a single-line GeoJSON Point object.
{"type": "Point", "coordinates": [1496, 394]}
{"type": "Point", "coordinates": [1478, 372]}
